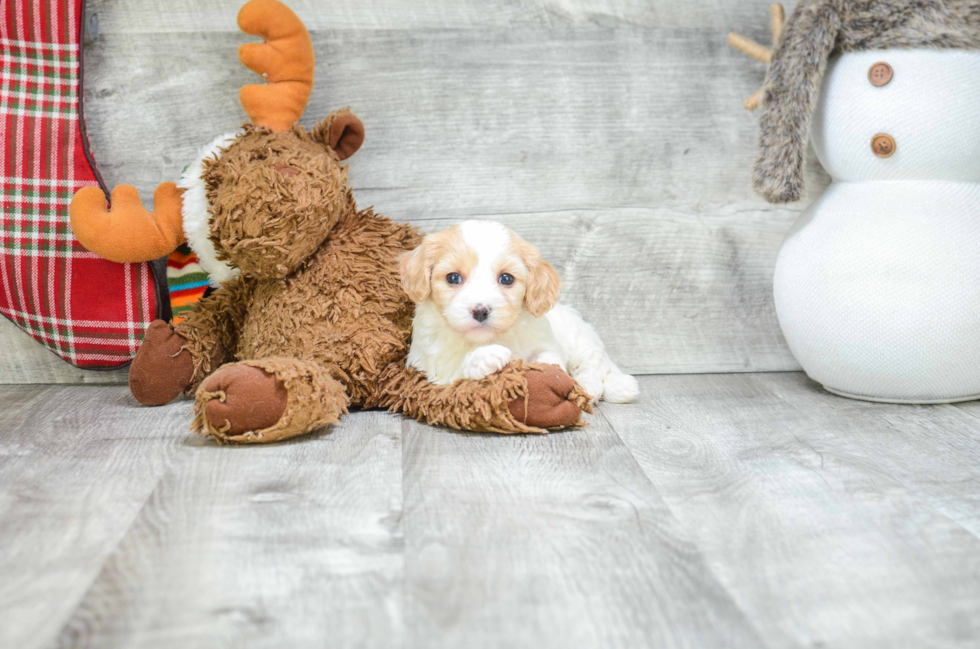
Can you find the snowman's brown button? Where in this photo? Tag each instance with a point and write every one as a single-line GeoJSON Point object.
{"type": "Point", "coordinates": [883, 145]}
{"type": "Point", "coordinates": [880, 74]}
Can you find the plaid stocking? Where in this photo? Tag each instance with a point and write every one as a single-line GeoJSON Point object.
{"type": "Point", "coordinates": [89, 311]}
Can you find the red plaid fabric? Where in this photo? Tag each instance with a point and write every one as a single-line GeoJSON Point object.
{"type": "Point", "coordinates": [89, 311]}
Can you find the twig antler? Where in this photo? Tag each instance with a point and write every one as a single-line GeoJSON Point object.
{"type": "Point", "coordinates": [760, 52]}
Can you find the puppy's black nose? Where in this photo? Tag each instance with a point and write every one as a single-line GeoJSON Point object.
{"type": "Point", "coordinates": [480, 313]}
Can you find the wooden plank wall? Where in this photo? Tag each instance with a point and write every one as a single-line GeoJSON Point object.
{"type": "Point", "coordinates": [608, 132]}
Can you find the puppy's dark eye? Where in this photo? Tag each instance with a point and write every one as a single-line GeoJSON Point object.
{"type": "Point", "coordinates": [506, 279]}
{"type": "Point", "coordinates": [454, 278]}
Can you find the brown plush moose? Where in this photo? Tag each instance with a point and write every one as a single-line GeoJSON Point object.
{"type": "Point", "coordinates": [312, 318]}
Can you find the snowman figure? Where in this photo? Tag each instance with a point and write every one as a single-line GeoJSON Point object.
{"type": "Point", "coordinates": [877, 285]}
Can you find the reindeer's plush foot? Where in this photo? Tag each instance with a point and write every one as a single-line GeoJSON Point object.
{"type": "Point", "coordinates": [519, 398]}
{"type": "Point", "coordinates": [554, 400]}
{"type": "Point", "coordinates": [267, 400]}
{"type": "Point", "coordinates": [241, 398]}
{"type": "Point", "coordinates": [162, 368]}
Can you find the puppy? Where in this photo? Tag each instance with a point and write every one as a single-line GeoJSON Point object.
{"type": "Point", "coordinates": [485, 297]}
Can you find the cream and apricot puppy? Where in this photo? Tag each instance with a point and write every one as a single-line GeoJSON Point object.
{"type": "Point", "coordinates": [485, 297]}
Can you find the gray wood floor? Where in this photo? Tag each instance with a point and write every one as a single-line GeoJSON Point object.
{"type": "Point", "coordinates": [743, 510]}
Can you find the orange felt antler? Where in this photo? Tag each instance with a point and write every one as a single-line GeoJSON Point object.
{"type": "Point", "coordinates": [128, 233]}
{"type": "Point", "coordinates": [758, 52]}
{"type": "Point", "coordinates": [285, 60]}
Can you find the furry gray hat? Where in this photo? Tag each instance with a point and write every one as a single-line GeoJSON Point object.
{"type": "Point", "coordinates": [816, 30]}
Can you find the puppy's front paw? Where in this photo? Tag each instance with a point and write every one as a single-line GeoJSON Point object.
{"type": "Point", "coordinates": [484, 361]}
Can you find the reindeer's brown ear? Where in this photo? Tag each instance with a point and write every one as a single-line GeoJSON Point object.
{"type": "Point", "coordinates": [342, 132]}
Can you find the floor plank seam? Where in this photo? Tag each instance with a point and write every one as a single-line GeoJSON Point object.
{"type": "Point", "coordinates": [747, 618]}
{"type": "Point", "coordinates": [66, 623]}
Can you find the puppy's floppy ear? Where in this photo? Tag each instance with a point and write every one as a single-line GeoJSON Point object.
{"type": "Point", "coordinates": [416, 271]}
{"type": "Point", "coordinates": [341, 131]}
{"type": "Point", "coordinates": [543, 282]}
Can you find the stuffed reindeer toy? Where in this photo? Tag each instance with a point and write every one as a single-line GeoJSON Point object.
{"type": "Point", "coordinates": [311, 318]}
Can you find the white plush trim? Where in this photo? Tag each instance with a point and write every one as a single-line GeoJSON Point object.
{"type": "Point", "coordinates": [194, 208]}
